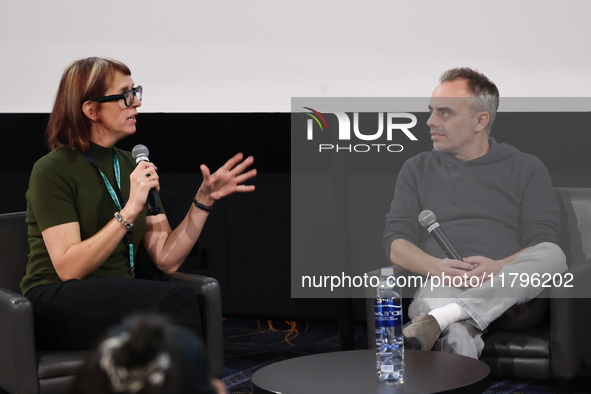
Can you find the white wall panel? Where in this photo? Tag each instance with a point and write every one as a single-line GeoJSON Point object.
{"type": "Point", "coordinates": [230, 56]}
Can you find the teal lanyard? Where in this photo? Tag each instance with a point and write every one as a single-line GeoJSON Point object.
{"type": "Point", "coordinates": [116, 197]}
{"type": "Point", "coordinates": [110, 189]}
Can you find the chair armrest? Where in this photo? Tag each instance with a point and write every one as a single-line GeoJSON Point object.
{"type": "Point", "coordinates": [578, 286]}
{"type": "Point", "coordinates": [18, 360]}
{"type": "Point", "coordinates": [210, 304]}
{"type": "Point", "coordinates": [569, 324]}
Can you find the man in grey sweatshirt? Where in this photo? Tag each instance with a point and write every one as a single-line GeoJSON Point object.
{"type": "Point", "coordinates": [496, 203]}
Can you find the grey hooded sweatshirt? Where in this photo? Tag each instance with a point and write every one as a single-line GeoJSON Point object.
{"type": "Point", "coordinates": [493, 206]}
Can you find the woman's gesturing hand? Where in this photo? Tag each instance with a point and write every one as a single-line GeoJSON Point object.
{"type": "Point", "coordinates": [227, 179]}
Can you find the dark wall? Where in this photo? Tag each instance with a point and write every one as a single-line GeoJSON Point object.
{"type": "Point", "coordinates": [246, 241]}
{"type": "Point", "coordinates": [178, 143]}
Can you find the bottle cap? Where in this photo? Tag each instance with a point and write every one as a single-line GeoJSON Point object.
{"type": "Point", "coordinates": [387, 271]}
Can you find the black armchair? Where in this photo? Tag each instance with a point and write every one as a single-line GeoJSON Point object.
{"type": "Point", "coordinates": [24, 370]}
{"type": "Point", "coordinates": [546, 338]}
{"type": "Point", "coordinates": [559, 346]}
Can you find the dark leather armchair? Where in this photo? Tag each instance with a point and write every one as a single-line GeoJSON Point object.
{"type": "Point", "coordinates": [23, 370]}
{"type": "Point", "coordinates": [559, 346]}
{"type": "Point", "coordinates": [546, 338]}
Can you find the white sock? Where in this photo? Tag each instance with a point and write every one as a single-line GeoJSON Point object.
{"type": "Point", "coordinates": [448, 314]}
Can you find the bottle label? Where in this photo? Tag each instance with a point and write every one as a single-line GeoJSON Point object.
{"type": "Point", "coordinates": [386, 368]}
{"type": "Point", "coordinates": [387, 313]}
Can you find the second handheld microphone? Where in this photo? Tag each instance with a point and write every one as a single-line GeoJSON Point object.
{"type": "Point", "coordinates": [428, 221]}
{"type": "Point", "coordinates": [141, 153]}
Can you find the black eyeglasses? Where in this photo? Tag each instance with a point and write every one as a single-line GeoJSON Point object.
{"type": "Point", "coordinates": [128, 96]}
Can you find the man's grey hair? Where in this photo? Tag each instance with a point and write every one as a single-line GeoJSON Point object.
{"type": "Point", "coordinates": [484, 91]}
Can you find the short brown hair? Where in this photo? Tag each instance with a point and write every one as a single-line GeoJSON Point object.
{"type": "Point", "coordinates": [83, 80]}
{"type": "Point", "coordinates": [485, 92]}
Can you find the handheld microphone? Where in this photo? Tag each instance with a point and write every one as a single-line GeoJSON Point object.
{"type": "Point", "coordinates": [428, 220]}
{"type": "Point", "coordinates": [141, 153]}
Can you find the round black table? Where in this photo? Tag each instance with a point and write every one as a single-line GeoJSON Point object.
{"type": "Point", "coordinates": [355, 372]}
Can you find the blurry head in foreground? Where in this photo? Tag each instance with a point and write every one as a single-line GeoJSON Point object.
{"type": "Point", "coordinates": [147, 354]}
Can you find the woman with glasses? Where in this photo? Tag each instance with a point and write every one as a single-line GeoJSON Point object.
{"type": "Point", "coordinates": [86, 210]}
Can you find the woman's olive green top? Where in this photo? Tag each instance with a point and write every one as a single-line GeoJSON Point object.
{"type": "Point", "coordinates": [64, 188]}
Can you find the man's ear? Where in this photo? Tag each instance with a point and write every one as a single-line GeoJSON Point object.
{"type": "Point", "coordinates": [482, 119]}
{"type": "Point", "coordinates": [90, 109]}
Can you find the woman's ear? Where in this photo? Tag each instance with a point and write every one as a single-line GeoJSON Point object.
{"type": "Point", "coordinates": [90, 109]}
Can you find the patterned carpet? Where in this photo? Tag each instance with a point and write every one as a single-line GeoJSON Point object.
{"type": "Point", "coordinates": [250, 344]}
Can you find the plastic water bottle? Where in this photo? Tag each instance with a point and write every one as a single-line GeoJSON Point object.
{"type": "Point", "coordinates": [389, 338]}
